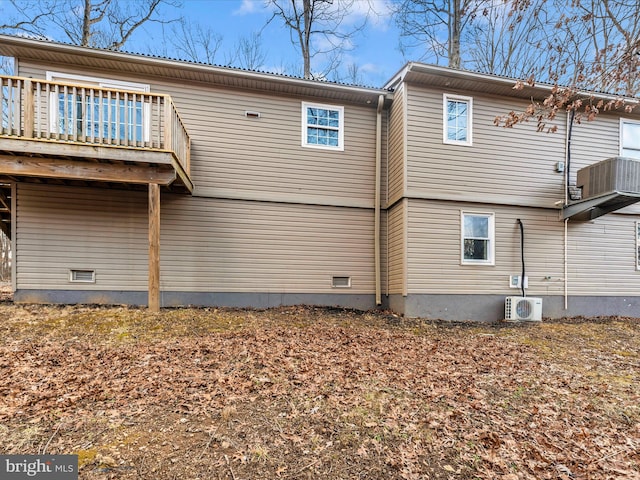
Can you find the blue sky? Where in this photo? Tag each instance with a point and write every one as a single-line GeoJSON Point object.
{"type": "Point", "coordinates": [375, 48]}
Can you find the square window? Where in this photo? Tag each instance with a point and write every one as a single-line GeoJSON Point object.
{"type": "Point", "coordinates": [322, 126]}
{"type": "Point", "coordinates": [457, 119]}
{"type": "Point", "coordinates": [629, 138]}
{"type": "Point", "coordinates": [478, 241]}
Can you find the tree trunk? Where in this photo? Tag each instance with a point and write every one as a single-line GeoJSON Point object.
{"type": "Point", "coordinates": [455, 19]}
{"type": "Point", "coordinates": [308, 13]}
{"type": "Point", "coordinates": [86, 24]}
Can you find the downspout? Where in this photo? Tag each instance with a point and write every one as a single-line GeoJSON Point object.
{"type": "Point", "coordinates": [567, 173]}
{"type": "Point", "coordinates": [376, 222]}
{"type": "Point", "coordinates": [523, 276]}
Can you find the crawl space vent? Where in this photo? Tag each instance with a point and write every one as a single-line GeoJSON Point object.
{"type": "Point", "coordinates": [341, 282]}
{"type": "Point", "coordinates": [82, 276]}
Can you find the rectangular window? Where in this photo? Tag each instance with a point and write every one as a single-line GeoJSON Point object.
{"type": "Point", "coordinates": [478, 234]}
{"type": "Point", "coordinates": [322, 126]}
{"type": "Point", "coordinates": [629, 138]}
{"type": "Point", "coordinates": [101, 114]}
{"type": "Point", "coordinates": [457, 119]}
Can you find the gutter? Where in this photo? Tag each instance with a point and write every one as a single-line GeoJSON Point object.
{"type": "Point", "coordinates": [376, 235]}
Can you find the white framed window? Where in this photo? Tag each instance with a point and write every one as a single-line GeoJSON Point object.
{"type": "Point", "coordinates": [115, 116]}
{"type": "Point", "coordinates": [637, 245]}
{"type": "Point", "coordinates": [477, 238]}
{"type": "Point", "coordinates": [629, 138]}
{"type": "Point", "coordinates": [457, 119]}
{"type": "Point", "coordinates": [322, 126]}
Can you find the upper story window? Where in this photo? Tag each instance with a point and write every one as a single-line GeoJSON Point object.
{"type": "Point", "coordinates": [478, 238]}
{"type": "Point", "coordinates": [101, 114]}
{"type": "Point", "coordinates": [322, 126]}
{"type": "Point", "coordinates": [629, 138]}
{"type": "Point", "coordinates": [457, 119]}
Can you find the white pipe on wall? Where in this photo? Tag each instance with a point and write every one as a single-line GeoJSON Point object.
{"type": "Point", "coordinates": [377, 199]}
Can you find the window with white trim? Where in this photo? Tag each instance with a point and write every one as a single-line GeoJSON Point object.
{"type": "Point", "coordinates": [322, 126]}
{"type": "Point", "coordinates": [457, 119]}
{"type": "Point", "coordinates": [478, 238]}
{"type": "Point", "coordinates": [629, 138]}
{"type": "Point", "coordinates": [114, 115]}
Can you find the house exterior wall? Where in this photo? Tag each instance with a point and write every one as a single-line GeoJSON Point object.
{"type": "Point", "coordinates": [216, 247]}
{"type": "Point", "coordinates": [396, 182]}
{"type": "Point", "coordinates": [270, 222]}
{"type": "Point", "coordinates": [511, 174]}
{"type": "Point", "coordinates": [233, 156]}
{"type": "Point", "coordinates": [397, 248]}
{"type": "Point", "coordinates": [62, 228]}
{"type": "Point", "coordinates": [503, 165]}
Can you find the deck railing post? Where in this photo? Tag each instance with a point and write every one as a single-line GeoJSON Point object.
{"type": "Point", "coordinates": [29, 108]}
{"type": "Point", "coordinates": [168, 123]}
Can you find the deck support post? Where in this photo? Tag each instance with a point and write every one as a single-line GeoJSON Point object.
{"type": "Point", "coordinates": [154, 247]}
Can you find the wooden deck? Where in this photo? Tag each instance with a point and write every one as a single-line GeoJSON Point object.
{"type": "Point", "coordinates": [65, 132]}
{"type": "Point", "coordinates": [54, 132]}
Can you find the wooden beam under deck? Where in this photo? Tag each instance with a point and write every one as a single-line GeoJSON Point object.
{"type": "Point", "coordinates": [154, 247]}
{"type": "Point", "coordinates": [53, 148]}
{"type": "Point", "coordinates": [69, 169]}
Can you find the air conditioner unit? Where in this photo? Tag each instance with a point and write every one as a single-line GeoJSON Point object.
{"type": "Point", "coordinates": [523, 308]}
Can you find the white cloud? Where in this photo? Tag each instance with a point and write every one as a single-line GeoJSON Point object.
{"type": "Point", "coordinates": [247, 7]}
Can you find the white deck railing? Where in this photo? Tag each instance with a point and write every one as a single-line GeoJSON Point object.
{"type": "Point", "coordinates": [81, 114]}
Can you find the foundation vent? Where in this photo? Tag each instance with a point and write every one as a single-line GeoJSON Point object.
{"type": "Point", "coordinates": [82, 276]}
{"type": "Point", "coordinates": [341, 282]}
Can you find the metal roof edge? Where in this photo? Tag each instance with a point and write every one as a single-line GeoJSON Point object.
{"type": "Point", "coordinates": [24, 42]}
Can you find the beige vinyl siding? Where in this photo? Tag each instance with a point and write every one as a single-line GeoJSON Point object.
{"type": "Point", "coordinates": [602, 257]}
{"type": "Point", "coordinates": [384, 252]}
{"type": "Point", "coordinates": [239, 246]}
{"type": "Point", "coordinates": [239, 157]}
{"type": "Point", "coordinates": [434, 250]}
{"type": "Point", "coordinates": [594, 141]}
{"type": "Point", "coordinates": [397, 245]}
{"type": "Point", "coordinates": [62, 228]}
{"type": "Point", "coordinates": [504, 165]}
{"type": "Point", "coordinates": [397, 147]}
{"type": "Point", "coordinates": [207, 245]}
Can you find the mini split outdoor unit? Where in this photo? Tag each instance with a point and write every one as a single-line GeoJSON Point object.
{"type": "Point", "coordinates": [523, 308]}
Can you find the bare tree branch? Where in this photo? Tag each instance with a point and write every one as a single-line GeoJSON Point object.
{"type": "Point", "coordinates": [319, 28]}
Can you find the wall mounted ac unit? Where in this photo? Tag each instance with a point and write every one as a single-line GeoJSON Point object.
{"type": "Point", "coordinates": [523, 308]}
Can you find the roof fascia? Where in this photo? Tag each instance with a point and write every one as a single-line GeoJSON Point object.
{"type": "Point", "coordinates": [112, 55]}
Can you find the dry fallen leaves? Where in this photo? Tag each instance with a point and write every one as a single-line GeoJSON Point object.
{"type": "Point", "coordinates": [299, 392]}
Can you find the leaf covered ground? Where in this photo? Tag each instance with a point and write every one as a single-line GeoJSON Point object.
{"type": "Point", "coordinates": [300, 392]}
